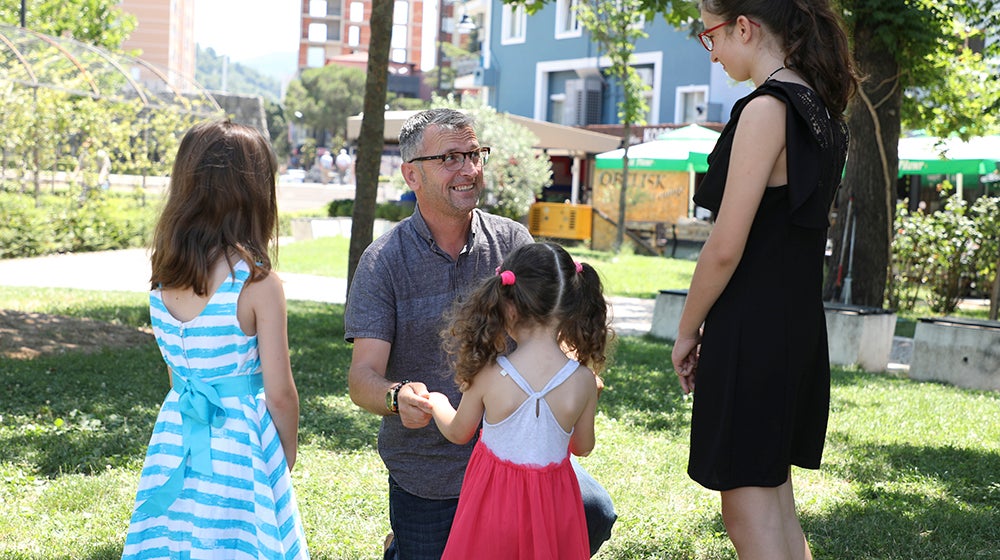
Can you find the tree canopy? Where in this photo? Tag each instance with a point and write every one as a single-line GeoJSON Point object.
{"type": "Point", "coordinates": [326, 97]}
{"type": "Point", "coordinates": [99, 22]}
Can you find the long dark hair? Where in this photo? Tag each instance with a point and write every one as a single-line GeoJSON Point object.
{"type": "Point", "coordinates": [548, 287]}
{"type": "Point", "coordinates": [221, 199]}
{"type": "Point", "coordinates": [812, 34]}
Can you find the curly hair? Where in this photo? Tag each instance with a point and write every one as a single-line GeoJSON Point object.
{"type": "Point", "coordinates": [548, 288]}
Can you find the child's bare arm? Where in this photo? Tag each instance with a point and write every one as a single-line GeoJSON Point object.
{"type": "Point", "coordinates": [268, 300]}
{"type": "Point", "coordinates": [458, 426]}
{"type": "Point", "coordinates": [583, 440]}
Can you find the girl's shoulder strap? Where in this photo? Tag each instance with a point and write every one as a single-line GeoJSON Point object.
{"type": "Point", "coordinates": [508, 369]}
{"type": "Point", "coordinates": [561, 375]}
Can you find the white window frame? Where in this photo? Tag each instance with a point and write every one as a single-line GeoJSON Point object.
{"type": "Point", "coordinates": [514, 19]}
{"type": "Point", "coordinates": [317, 8]}
{"type": "Point", "coordinates": [558, 104]}
{"type": "Point", "coordinates": [542, 69]}
{"type": "Point", "coordinates": [401, 12]}
{"type": "Point", "coordinates": [399, 37]}
{"type": "Point", "coordinates": [679, 100]}
{"type": "Point", "coordinates": [566, 10]}
{"type": "Point", "coordinates": [315, 57]}
{"type": "Point", "coordinates": [317, 33]}
{"type": "Point", "coordinates": [357, 12]}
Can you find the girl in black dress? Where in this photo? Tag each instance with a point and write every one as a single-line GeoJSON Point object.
{"type": "Point", "coordinates": [753, 330]}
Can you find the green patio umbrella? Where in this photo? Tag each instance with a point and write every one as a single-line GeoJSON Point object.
{"type": "Point", "coordinates": [681, 149]}
{"type": "Point", "coordinates": [926, 155]}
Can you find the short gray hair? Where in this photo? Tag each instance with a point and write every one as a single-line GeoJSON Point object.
{"type": "Point", "coordinates": [411, 134]}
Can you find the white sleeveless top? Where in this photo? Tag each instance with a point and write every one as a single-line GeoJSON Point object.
{"type": "Point", "coordinates": [531, 435]}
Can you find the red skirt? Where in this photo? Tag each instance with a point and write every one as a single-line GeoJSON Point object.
{"type": "Point", "coordinates": [508, 511]}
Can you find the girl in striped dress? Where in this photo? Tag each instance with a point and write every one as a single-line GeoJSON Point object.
{"type": "Point", "coordinates": [216, 481]}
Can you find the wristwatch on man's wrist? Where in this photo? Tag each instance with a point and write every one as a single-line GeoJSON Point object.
{"type": "Point", "coordinates": [392, 396]}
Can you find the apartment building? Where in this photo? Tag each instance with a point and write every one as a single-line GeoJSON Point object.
{"type": "Point", "coordinates": [165, 36]}
{"type": "Point", "coordinates": [337, 32]}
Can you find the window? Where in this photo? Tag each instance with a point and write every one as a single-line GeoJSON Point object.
{"type": "Point", "coordinates": [398, 55]}
{"type": "Point", "coordinates": [354, 36]}
{"type": "Point", "coordinates": [317, 32]}
{"type": "Point", "coordinates": [646, 73]}
{"type": "Point", "coordinates": [566, 23]}
{"type": "Point", "coordinates": [317, 8]}
{"type": "Point", "coordinates": [691, 104]}
{"type": "Point", "coordinates": [514, 22]}
{"type": "Point", "coordinates": [398, 40]}
{"type": "Point", "coordinates": [357, 11]}
{"type": "Point", "coordinates": [333, 32]}
{"type": "Point", "coordinates": [315, 57]}
{"type": "Point", "coordinates": [401, 12]}
{"type": "Point", "coordinates": [557, 108]}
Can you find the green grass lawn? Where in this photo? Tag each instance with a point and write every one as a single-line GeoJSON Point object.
{"type": "Point", "coordinates": [623, 275]}
{"type": "Point", "coordinates": [911, 470]}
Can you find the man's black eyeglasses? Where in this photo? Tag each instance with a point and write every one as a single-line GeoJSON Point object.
{"type": "Point", "coordinates": [453, 161]}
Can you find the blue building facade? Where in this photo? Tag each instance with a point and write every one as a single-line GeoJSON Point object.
{"type": "Point", "coordinates": [545, 66]}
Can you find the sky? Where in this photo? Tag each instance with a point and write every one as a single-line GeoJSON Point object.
{"type": "Point", "coordinates": [245, 29]}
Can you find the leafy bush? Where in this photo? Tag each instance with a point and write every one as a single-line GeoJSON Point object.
{"type": "Point", "coordinates": [341, 208]}
{"type": "Point", "coordinates": [985, 214]}
{"type": "Point", "coordinates": [392, 211]}
{"type": "Point", "coordinates": [62, 223]}
{"type": "Point", "coordinates": [948, 252]}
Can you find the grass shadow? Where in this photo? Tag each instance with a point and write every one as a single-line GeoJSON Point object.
{"type": "Point", "coordinates": [912, 502]}
{"type": "Point", "coordinates": [80, 413]}
{"type": "Point", "coordinates": [641, 388]}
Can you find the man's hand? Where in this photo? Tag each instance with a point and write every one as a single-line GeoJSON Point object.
{"type": "Point", "coordinates": [414, 408]}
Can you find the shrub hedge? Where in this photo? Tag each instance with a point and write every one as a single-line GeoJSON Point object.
{"type": "Point", "coordinates": [65, 222]}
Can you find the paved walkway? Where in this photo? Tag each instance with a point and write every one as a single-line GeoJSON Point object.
{"type": "Point", "coordinates": [128, 271]}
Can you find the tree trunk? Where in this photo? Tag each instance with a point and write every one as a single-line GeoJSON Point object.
{"type": "Point", "coordinates": [372, 137]}
{"type": "Point", "coordinates": [870, 176]}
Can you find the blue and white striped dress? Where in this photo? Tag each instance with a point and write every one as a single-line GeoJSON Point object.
{"type": "Point", "coordinates": [215, 483]}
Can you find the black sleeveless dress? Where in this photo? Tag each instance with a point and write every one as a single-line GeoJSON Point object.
{"type": "Point", "coordinates": [763, 378]}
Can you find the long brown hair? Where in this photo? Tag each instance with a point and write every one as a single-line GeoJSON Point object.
{"type": "Point", "coordinates": [221, 200]}
{"type": "Point", "coordinates": [812, 34]}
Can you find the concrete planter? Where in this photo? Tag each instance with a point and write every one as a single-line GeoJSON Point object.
{"type": "Point", "coordinates": [667, 313]}
{"type": "Point", "coordinates": [314, 228]}
{"type": "Point", "coordinates": [856, 335]}
{"type": "Point", "coordinates": [963, 352]}
{"type": "Point", "coordinates": [859, 335]}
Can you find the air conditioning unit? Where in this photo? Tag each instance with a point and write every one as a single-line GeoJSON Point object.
{"type": "Point", "coordinates": [583, 102]}
{"type": "Point", "coordinates": [560, 221]}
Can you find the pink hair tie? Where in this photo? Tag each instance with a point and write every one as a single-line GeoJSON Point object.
{"type": "Point", "coordinates": [579, 267]}
{"type": "Point", "coordinates": [507, 278]}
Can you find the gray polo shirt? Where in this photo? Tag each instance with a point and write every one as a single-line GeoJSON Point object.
{"type": "Point", "coordinates": [403, 285]}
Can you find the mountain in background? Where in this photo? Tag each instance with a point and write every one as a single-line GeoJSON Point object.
{"type": "Point", "coordinates": [261, 76]}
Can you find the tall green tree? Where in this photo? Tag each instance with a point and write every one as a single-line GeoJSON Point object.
{"type": "Point", "coordinates": [326, 97]}
{"type": "Point", "coordinates": [99, 22]}
{"type": "Point", "coordinates": [372, 136]}
{"type": "Point", "coordinates": [616, 25]}
{"type": "Point", "coordinates": [918, 69]}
